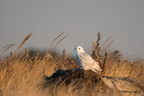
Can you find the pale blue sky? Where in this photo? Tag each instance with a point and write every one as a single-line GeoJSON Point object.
{"type": "Point", "coordinates": [81, 19]}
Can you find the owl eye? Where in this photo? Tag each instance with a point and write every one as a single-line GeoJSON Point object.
{"type": "Point", "coordinates": [78, 48]}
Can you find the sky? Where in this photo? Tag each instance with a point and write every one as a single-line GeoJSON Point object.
{"type": "Point", "coordinates": [80, 19]}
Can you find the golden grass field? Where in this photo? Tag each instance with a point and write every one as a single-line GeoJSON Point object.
{"type": "Point", "coordinates": [25, 75]}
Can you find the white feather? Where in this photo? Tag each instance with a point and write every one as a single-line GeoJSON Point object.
{"type": "Point", "coordinates": [84, 60]}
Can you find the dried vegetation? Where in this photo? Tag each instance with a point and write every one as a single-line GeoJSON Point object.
{"type": "Point", "coordinates": [24, 75]}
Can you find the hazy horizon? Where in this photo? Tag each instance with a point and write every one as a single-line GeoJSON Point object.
{"type": "Point", "coordinates": [82, 20]}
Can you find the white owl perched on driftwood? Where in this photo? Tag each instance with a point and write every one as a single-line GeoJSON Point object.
{"type": "Point", "coordinates": [85, 61]}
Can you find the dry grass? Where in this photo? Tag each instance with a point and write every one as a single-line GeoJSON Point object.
{"type": "Point", "coordinates": [23, 75]}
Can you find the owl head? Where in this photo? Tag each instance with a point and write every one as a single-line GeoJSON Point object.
{"type": "Point", "coordinates": [78, 49]}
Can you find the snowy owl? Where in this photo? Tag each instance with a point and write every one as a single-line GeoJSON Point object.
{"type": "Point", "coordinates": [84, 60]}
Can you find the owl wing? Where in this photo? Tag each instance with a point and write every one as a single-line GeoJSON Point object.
{"type": "Point", "coordinates": [78, 61]}
{"type": "Point", "coordinates": [89, 62]}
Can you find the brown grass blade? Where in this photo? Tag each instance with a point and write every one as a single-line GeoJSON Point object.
{"type": "Point", "coordinates": [19, 47]}
{"type": "Point", "coordinates": [106, 42]}
{"type": "Point", "coordinates": [8, 46]}
{"type": "Point", "coordinates": [108, 45]}
{"type": "Point", "coordinates": [54, 41]}
{"type": "Point", "coordinates": [56, 38]}
{"type": "Point", "coordinates": [58, 43]}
